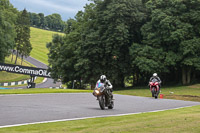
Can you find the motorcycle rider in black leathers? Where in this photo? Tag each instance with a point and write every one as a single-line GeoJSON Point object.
{"type": "Point", "coordinates": [107, 83]}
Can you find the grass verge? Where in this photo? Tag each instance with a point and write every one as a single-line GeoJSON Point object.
{"type": "Point", "coordinates": [42, 90]}
{"type": "Point", "coordinates": [184, 120]}
{"type": "Point", "coordinates": [190, 93]}
{"type": "Point", "coordinates": [37, 81]}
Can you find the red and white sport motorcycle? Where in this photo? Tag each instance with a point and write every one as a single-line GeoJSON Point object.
{"type": "Point", "coordinates": [155, 88]}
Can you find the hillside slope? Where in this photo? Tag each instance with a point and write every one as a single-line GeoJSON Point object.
{"type": "Point", "coordinates": [39, 39]}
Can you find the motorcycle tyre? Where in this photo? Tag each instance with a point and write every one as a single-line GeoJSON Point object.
{"type": "Point", "coordinates": [101, 102]}
{"type": "Point", "coordinates": [111, 106]}
{"type": "Point", "coordinates": [152, 94]}
{"type": "Point", "coordinates": [156, 95]}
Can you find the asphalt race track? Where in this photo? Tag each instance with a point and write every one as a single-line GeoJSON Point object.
{"type": "Point", "coordinates": [49, 82]}
{"type": "Point", "coordinates": [33, 108]}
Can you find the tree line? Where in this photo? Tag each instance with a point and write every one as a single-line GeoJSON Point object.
{"type": "Point", "coordinates": [128, 41]}
{"type": "Point", "coordinates": [14, 32]}
{"type": "Point", "coordinates": [51, 22]}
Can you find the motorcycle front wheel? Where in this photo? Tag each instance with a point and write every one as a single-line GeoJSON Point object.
{"type": "Point", "coordinates": [102, 102]}
{"type": "Point", "coordinates": [157, 93]}
{"type": "Point", "coordinates": [153, 92]}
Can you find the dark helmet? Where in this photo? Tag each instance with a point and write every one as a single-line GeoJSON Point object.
{"type": "Point", "coordinates": [103, 78]}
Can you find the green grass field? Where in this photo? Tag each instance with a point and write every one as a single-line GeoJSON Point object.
{"type": "Point", "coordinates": [190, 93]}
{"type": "Point", "coordinates": [184, 120]}
{"type": "Point", "coordinates": [39, 39]}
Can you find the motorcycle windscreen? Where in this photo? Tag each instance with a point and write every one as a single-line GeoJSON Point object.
{"type": "Point", "coordinates": [154, 80]}
{"type": "Point", "coordinates": [101, 86]}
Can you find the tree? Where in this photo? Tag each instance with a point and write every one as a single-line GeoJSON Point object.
{"type": "Point", "coordinates": [102, 35]}
{"type": "Point", "coordinates": [42, 21]}
{"type": "Point", "coordinates": [69, 26]}
{"type": "Point", "coordinates": [62, 58]}
{"type": "Point", "coordinates": [54, 22]}
{"type": "Point", "coordinates": [50, 22]}
{"type": "Point", "coordinates": [190, 61]}
{"type": "Point", "coordinates": [35, 20]}
{"type": "Point", "coordinates": [23, 45]}
{"type": "Point", "coordinates": [171, 28]}
{"type": "Point", "coordinates": [130, 38]}
{"type": "Point", "coordinates": [111, 28]}
{"type": "Point", "coordinates": [7, 30]}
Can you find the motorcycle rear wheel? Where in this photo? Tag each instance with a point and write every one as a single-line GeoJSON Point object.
{"type": "Point", "coordinates": [111, 106]}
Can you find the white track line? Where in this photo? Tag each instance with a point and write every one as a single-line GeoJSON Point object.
{"type": "Point", "coordinates": [15, 125]}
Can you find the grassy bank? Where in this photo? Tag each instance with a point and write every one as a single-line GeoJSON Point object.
{"type": "Point", "coordinates": [190, 93]}
{"type": "Point", "coordinates": [39, 39]}
{"type": "Point", "coordinates": [37, 81]}
{"type": "Point", "coordinates": [185, 120]}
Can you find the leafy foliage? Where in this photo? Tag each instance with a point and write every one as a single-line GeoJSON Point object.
{"type": "Point", "coordinates": [23, 45]}
{"type": "Point", "coordinates": [50, 22]}
{"type": "Point", "coordinates": [130, 38]}
{"type": "Point", "coordinates": [7, 28]}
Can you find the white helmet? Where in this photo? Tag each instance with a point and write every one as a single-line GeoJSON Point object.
{"type": "Point", "coordinates": [155, 75]}
{"type": "Point", "coordinates": [103, 78]}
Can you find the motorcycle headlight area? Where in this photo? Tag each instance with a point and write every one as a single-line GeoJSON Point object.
{"type": "Point", "coordinates": [97, 91]}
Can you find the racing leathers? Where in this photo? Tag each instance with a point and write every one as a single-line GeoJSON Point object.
{"type": "Point", "coordinates": [109, 86]}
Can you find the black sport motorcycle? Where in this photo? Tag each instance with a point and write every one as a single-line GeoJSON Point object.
{"type": "Point", "coordinates": [103, 96]}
